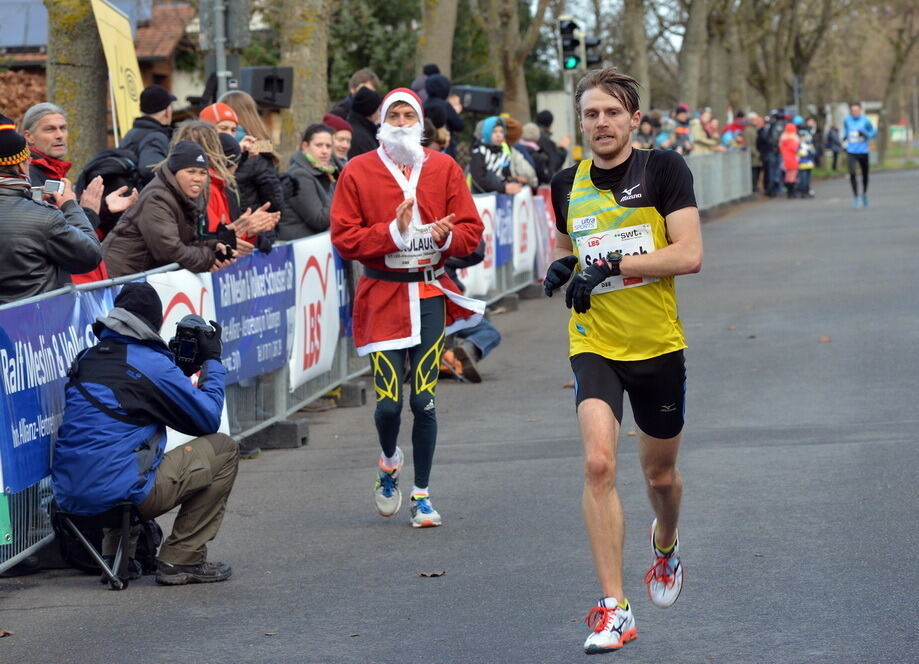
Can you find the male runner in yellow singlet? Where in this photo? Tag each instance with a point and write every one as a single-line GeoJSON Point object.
{"type": "Point", "coordinates": [627, 225]}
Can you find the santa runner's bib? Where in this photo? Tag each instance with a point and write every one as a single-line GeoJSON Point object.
{"type": "Point", "coordinates": [422, 250]}
{"type": "Point", "coordinates": [631, 240]}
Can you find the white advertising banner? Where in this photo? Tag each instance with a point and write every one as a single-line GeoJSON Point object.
{"type": "Point", "coordinates": [524, 232]}
{"type": "Point", "coordinates": [316, 319]}
{"type": "Point", "coordinates": [481, 278]}
{"type": "Point", "coordinates": [182, 293]}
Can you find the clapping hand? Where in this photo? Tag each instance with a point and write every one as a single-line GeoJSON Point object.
{"type": "Point", "coordinates": [117, 201]}
{"type": "Point", "coordinates": [91, 198]}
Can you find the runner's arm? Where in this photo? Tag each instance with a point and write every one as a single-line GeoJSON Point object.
{"type": "Point", "coordinates": [682, 256]}
{"type": "Point", "coordinates": [563, 246]}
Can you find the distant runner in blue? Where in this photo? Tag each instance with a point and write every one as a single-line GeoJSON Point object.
{"type": "Point", "coordinates": [857, 131]}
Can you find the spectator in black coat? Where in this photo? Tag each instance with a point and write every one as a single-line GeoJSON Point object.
{"type": "Point", "coordinates": [150, 135]}
{"type": "Point", "coordinates": [364, 118]}
{"type": "Point", "coordinates": [439, 97]}
{"type": "Point", "coordinates": [556, 153]}
{"type": "Point", "coordinates": [362, 78]}
{"type": "Point", "coordinates": [257, 176]}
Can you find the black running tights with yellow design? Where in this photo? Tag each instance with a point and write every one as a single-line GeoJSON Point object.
{"type": "Point", "coordinates": [424, 365]}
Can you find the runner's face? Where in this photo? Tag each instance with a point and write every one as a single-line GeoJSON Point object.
{"type": "Point", "coordinates": [49, 135]}
{"type": "Point", "coordinates": [191, 181]}
{"type": "Point", "coordinates": [401, 115]}
{"type": "Point", "coordinates": [606, 124]}
{"type": "Point", "coordinates": [856, 110]}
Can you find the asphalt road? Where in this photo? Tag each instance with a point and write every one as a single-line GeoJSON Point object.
{"type": "Point", "coordinates": [799, 527]}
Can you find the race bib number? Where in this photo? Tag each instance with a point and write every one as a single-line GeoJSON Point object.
{"type": "Point", "coordinates": [422, 251]}
{"type": "Point", "coordinates": [631, 241]}
{"type": "Point", "coordinates": [855, 136]}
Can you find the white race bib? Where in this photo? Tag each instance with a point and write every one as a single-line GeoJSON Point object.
{"type": "Point", "coordinates": [632, 240]}
{"type": "Point", "coordinates": [422, 250]}
{"type": "Point", "coordinates": [855, 136]}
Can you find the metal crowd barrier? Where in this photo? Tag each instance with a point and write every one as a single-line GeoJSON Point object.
{"type": "Point", "coordinates": [721, 177]}
{"type": "Point", "coordinates": [255, 404]}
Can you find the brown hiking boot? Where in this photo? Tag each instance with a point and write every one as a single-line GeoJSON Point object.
{"type": "Point", "coordinates": [168, 574]}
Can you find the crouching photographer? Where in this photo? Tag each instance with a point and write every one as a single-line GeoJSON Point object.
{"type": "Point", "coordinates": [122, 394]}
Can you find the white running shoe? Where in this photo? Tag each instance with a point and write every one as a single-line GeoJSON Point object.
{"type": "Point", "coordinates": [386, 492]}
{"type": "Point", "coordinates": [423, 513]}
{"type": "Point", "coordinates": [611, 628]}
{"type": "Point", "coordinates": [665, 578]}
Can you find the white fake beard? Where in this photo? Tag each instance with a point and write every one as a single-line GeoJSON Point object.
{"type": "Point", "coordinates": [402, 144]}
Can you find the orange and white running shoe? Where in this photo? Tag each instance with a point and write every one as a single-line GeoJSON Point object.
{"type": "Point", "coordinates": [423, 513]}
{"type": "Point", "coordinates": [665, 578]}
{"type": "Point", "coordinates": [386, 493]}
{"type": "Point", "coordinates": [610, 628]}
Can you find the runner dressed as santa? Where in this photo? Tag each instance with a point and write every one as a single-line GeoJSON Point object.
{"type": "Point", "coordinates": [401, 211]}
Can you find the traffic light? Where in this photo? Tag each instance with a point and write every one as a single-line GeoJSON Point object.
{"type": "Point", "coordinates": [593, 52]}
{"type": "Point", "coordinates": [570, 35]}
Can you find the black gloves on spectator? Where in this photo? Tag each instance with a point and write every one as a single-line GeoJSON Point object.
{"type": "Point", "coordinates": [578, 294]}
{"type": "Point", "coordinates": [558, 274]}
{"type": "Point", "coordinates": [210, 344]}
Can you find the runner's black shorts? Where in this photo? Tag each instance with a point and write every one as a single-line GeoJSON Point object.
{"type": "Point", "coordinates": [656, 387]}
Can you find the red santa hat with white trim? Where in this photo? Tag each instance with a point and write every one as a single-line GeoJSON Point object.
{"type": "Point", "coordinates": [403, 95]}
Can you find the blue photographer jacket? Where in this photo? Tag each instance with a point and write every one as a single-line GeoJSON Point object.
{"type": "Point", "coordinates": [122, 394]}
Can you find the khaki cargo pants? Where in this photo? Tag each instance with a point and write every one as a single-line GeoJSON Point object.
{"type": "Point", "coordinates": [199, 476]}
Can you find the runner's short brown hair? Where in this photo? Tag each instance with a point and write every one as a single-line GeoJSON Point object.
{"type": "Point", "coordinates": [621, 86]}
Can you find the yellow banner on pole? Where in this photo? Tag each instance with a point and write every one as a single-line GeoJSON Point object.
{"type": "Point", "coordinates": [124, 78]}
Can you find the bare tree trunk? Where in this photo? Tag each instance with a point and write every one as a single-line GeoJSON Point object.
{"type": "Point", "coordinates": [304, 46]}
{"type": "Point", "coordinates": [637, 47]}
{"type": "Point", "coordinates": [435, 41]}
{"type": "Point", "coordinates": [904, 39]}
{"type": "Point", "coordinates": [508, 48]}
{"type": "Point", "coordinates": [77, 77]}
{"type": "Point", "coordinates": [690, 68]}
{"type": "Point", "coordinates": [737, 86]}
{"type": "Point", "coordinates": [717, 61]}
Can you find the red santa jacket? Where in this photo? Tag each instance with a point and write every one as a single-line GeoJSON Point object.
{"type": "Point", "coordinates": [386, 313]}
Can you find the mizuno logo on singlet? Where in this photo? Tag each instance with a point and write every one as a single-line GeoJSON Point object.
{"type": "Point", "coordinates": [628, 193]}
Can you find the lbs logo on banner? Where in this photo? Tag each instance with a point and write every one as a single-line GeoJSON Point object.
{"type": "Point", "coordinates": [316, 315]}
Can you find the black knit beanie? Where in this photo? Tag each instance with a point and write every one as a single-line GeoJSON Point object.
{"type": "Point", "coordinates": [366, 102]}
{"type": "Point", "coordinates": [186, 154]}
{"type": "Point", "coordinates": [141, 299]}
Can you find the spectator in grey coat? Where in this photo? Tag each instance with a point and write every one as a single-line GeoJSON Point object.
{"type": "Point", "coordinates": [312, 167]}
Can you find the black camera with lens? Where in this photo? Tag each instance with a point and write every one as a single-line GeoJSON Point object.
{"type": "Point", "coordinates": [192, 339]}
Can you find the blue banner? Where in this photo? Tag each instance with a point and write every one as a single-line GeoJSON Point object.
{"type": "Point", "coordinates": [254, 299]}
{"type": "Point", "coordinates": [38, 342]}
{"type": "Point", "coordinates": [504, 229]}
{"type": "Point", "coordinates": [343, 280]}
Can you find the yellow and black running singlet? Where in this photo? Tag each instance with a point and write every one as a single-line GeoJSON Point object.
{"type": "Point", "coordinates": [623, 210]}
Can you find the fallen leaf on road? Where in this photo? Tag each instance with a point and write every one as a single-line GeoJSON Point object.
{"type": "Point", "coordinates": [5, 632]}
{"type": "Point", "coordinates": [749, 307]}
{"type": "Point", "coordinates": [631, 433]}
{"type": "Point", "coordinates": [824, 340]}
{"type": "Point", "coordinates": [353, 635]}
{"type": "Point", "coordinates": [732, 327]}
{"type": "Point", "coordinates": [271, 633]}
{"type": "Point", "coordinates": [752, 336]}
{"type": "Point", "coordinates": [569, 383]}
{"type": "Point", "coordinates": [433, 574]}
{"type": "Point", "coordinates": [531, 419]}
